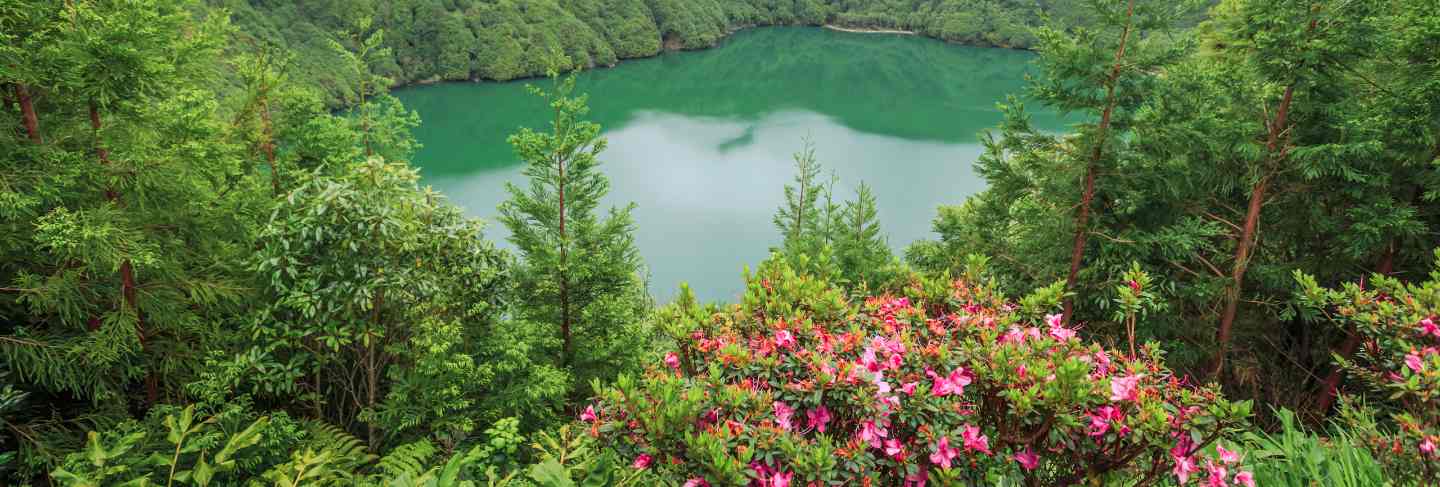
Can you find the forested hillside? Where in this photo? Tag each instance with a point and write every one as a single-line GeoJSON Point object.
{"type": "Point", "coordinates": [434, 40]}
{"type": "Point", "coordinates": [1224, 274]}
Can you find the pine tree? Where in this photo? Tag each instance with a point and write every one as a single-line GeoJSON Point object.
{"type": "Point", "coordinates": [581, 272]}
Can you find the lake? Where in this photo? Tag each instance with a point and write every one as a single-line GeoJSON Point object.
{"type": "Point", "coordinates": [702, 141]}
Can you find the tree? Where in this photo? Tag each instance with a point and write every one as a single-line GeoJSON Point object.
{"type": "Point", "coordinates": [580, 272]}
{"type": "Point", "coordinates": [1103, 71]}
{"type": "Point", "coordinates": [862, 251]}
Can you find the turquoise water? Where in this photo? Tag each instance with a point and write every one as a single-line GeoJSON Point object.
{"type": "Point", "coordinates": [702, 141]}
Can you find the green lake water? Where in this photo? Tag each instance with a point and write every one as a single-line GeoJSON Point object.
{"type": "Point", "coordinates": [702, 141]}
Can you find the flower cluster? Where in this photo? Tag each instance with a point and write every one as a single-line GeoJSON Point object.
{"type": "Point", "coordinates": [947, 384]}
{"type": "Point", "coordinates": [1399, 325]}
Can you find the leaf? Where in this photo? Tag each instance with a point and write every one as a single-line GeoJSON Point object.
{"type": "Point", "coordinates": [550, 474]}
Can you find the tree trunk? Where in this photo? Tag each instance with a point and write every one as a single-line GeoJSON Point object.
{"type": "Point", "coordinates": [27, 113]}
{"type": "Point", "coordinates": [1331, 384]}
{"type": "Point", "coordinates": [1237, 272]}
{"type": "Point", "coordinates": [1082, 217]}
{"type": "Point", "coordinates": [128, 288]}
{"type": "Point", "coordinates": [567, 348]}
{"type": "Point", "coordinates": [1275, 146]}
{"type": "Point", "coordinates": [267, 145]}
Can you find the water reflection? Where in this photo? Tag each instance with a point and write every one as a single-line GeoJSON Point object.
{"type": "Point", "coordinates": [702, 141]}
{"type": "Point", "coordinates": [705, 203]}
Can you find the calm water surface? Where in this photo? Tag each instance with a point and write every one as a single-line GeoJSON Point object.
{"type": "Point", "coordinates": [702, 141]}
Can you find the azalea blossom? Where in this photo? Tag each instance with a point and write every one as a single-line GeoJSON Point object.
{"type": "Point", "coordinates": [696, 482]}
{"type": "Point", "coordinates": [1427, 446]}
{"type": "Point", "coordinates": [1414, 363]}
{"type": "Point", "coordinates": [781, 479]}
{"type": "Point", "coordinates": [642, 462]}
{"type": "Point", "coordinates": [1218, 474]}
{"type": "Point", "coordinates": [1028, 459]}
{"type": "Point", "coordinates": [909, 388]}
{"type": "Point", "coordinates": [1184, 466]}
{"type": "Point", "coordinates": [894, 449]}
{"type": "Point", "coordinates": [943, 453]}
{"type": "Point", "coordinates": [946, 385]}
{"type": "Point", "coordinates": [974, 441]}
{"type": "Point", "coordinates": [1245, 478]}
{"type": "Point", "coordinates": [782, 414]}
{"type": "Point", "coordinates": [672, 360]}
{"type": "Point", "coordinates": [1428, 327]}
{"type": "Point", "coordinates": [1124, 388]}
{"type": "Point", "coordinates": [872, 433]}
{"type": "Point", "coordinates": [588, 415]}
{"type": "Point", "coordinates": [1054, 320]}
{"type": "Point", "coordinates": [1061, 333]}
{"type": "Point", "coordinates": [817, 418]}
{"type": "Point", "coordinates": [1227, 456]}
{"type": "Point", "coordinates": [784, 339]}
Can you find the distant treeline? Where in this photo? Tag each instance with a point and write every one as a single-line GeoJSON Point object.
{"type": "Point", "coordinates": [435, 40]}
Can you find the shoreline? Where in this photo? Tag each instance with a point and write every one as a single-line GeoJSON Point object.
{"type": "Point", "coordinates": [720, 42]}
{"type": "Point", "coordinates": [866, 30]}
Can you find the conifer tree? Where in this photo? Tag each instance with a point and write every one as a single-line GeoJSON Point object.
{"type": "Point", "coordinates": [581, 272]}
{"type": "Point", "coordinates": [1103, 71]}
{"type": "Point", "coordinates": [862, 252]}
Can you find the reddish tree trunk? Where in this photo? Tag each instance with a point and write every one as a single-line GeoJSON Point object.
{"type": "Point", "coordinates": [128, 289]}
{"type": "Point", "coordinates": [1275, 146]}
{"type": "Point", "coordinates": [1082, 217]}
{"type": "Point", "coordinates": [268, 146]}
{"type": "Point", "coordinates": [1331, 384]}
{"type": "Point", "coordinates": [27, 113]}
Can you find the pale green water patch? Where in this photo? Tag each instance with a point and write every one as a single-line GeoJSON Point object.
{"type": "Point", "coordinates": [702, 141]}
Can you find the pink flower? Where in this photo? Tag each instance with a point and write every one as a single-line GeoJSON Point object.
{"type": "Point", "coordinates": [697, 482]}
{"type": "Point", "coordinates": [880, 384]}
{"type": "Point", "coordinates": [1028, 459]}
{"type": "Point", "coordinates": [974, 441]}
{"type": "Point", "coordinates": [943, 453]}
{"type": "Point", "coordinates": [1427, 446]}
{"type": "Point", "coordinates": [1227, 456]}
{"type": "Point", "coordinates": [1102, 363]}
{"type": "Point", "coordinates": [816, 418]}
{"type": "Point", "coordinates": [1100, 420]}
{"type": "Point", "coordinates": [1428, 327]}
{"type": "Point", "coordinates": [782, 414]}
{"type": "Point", "coordinates": [872, 433]}
{"type": "Point", "coordinates": [1246, 479]}
{"type": "Point", "coordinates": [781, 479]}
{"type": "Point", "coordinates": [1134, 286]}
{"type": "Point", "coordinates": [784, 339]}
{"type": "Point", "coordinates": [867, 359]}
{"type": "Point", "coordinates": [909, 388]}
{"type": "Point", "coordinates": [642, 462]}
{"type": "Point", "coordinates": [1414, 363]}
{"type": "Point", "coordinates": [917, 479]}
{"type": "Point", "coordinates": [589, 415]}
{"type": "Point", "coordinates": [1184, 466]}
{"type": "Point", "coordinates": [953, 384]}
{"type": "Point", "coordinates": [1217, 473]}
{"type": "Point", "coordinates": [1061, 333]}
{"type": "Point", "coordinates": [672, 360]}
{"type": "Point", "coordinates": [894, 449]}
{"type": "Point", "coordinates": [1124, 388]}
{"type": "Point", "coordinates": [1054, 321]}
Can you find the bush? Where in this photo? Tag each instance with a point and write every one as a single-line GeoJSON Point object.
{"type": "Point", "coordinates": [949, 383]}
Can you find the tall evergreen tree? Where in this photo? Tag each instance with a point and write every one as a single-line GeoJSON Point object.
{"type": "Point", "coordinates": [580, 273]}
{"type": "Point", "coordinates": [1104, 71]}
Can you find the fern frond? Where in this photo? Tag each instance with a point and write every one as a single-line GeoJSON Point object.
{"type": "Point", "coordinates": [409, 459]}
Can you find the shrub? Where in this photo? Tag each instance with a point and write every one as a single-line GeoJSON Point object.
{"type": "Point", "coordinates": [948, 383]}
{"type": "Point", "coordinates": [1399, 357]}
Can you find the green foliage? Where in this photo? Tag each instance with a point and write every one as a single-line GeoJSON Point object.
{"type": "Point", "coordinates": [580, 273]}
{"type": "Point", "coordinates": [1293, 456]}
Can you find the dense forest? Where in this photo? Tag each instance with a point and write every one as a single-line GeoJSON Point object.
{"type": "Point", "coordinates": [1224, 273]}
{"type": "Point", "coordinates": [435, 40]}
